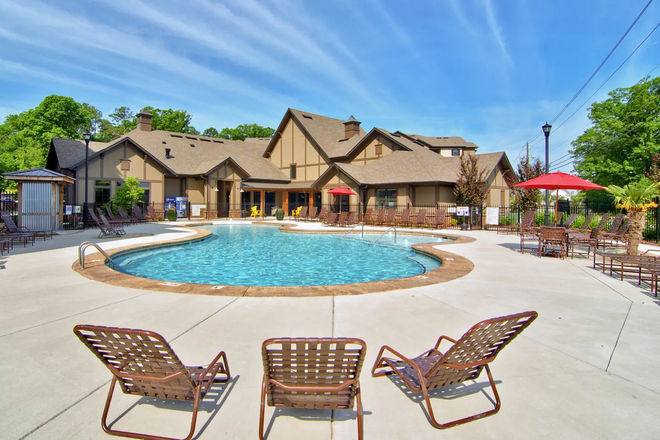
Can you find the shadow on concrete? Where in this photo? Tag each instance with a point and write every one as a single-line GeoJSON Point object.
{"type": "Point", "coordinates": [451, 392]}
{"type": "Point", "coordinates": [214, 399]}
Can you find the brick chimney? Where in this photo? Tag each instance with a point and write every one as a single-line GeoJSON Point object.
{"type": "Point", "coordinates": [144, 121]}
{"type": "Point", "coordinates": [351, 127]}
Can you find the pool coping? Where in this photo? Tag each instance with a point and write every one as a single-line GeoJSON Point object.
{"type": "Point", "coordinates": [453, 267]}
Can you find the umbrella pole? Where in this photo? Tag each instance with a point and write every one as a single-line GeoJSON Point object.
{"type": "Point", "coordinates": [556, 205]}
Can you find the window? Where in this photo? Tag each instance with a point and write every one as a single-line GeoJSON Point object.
{"type": "Point", "coordinates": [455, 151]}
{"type": "Point", "coordinates": [102, 192]}
{"type": "Point", "coordinates": [379, 149]}
{"type": "Point", "coordinates": [292, 171]}
{"type": "Point", "coordinates": [386, 198]}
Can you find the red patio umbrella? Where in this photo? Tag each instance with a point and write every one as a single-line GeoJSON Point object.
{"type": "Point", "coordinates": [342, 191]}
{"type": "Point", "coordinates": [557, 181]}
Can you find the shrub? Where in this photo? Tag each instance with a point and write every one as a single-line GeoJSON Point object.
{"type": "Point", "coordinates": [171, 215]}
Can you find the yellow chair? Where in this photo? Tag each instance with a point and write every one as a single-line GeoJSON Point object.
{"type": "Point", "coordinates": [296, 212]}
{"type": "Point", "coordinates": [255, 212]}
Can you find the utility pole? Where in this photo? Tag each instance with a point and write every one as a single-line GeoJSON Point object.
{"type": "Point", "coordinates": [527, 154]}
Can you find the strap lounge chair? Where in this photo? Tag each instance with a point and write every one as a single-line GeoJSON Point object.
{"type": "Point", "coordinates": [302, 215]}
{"type": "Point", "coordinates": [389, 218]}
{"type": "Point", "coordinates": [313, 213]}
{"type": "Point", "coordinates": [138, 215]}
{"type": "Point", "coordinates": [366, 218]}
{"type": "Point", "coordinates": [331, 219]}
{"type": "Point", "coordinates": [441, 219]}
{"type": "Point", "coordinates": [13, 229]}
{"type": "Point", "coordinates": [464, 361]}
{"type": "Point", "coordinates": [145, 365]}
{"type": "Point", "coordinates": [107, 229]}
{"type": "Point", "coordinates": [323, 214]}
{"type": "Point", "coordinates": [526, 222]}
{"type": "Point", "coordinates": [419, 221]}
{"type": "Point", "coordinates": [124, 216]}
{"type": "Point", "coordinates": [352, 218]}
{"type": "Point", "coordinates": [404, 219]}
{"type": "Point", "coordinates": [380, 217]}
{"type": "Point", "coordinates": [152, 214]}
{"type": "Point", "coordinates": [569, 221]}
{"type": "Point", "coordinates": [314, 373]}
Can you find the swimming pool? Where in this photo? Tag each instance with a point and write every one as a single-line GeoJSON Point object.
{"type": "Point", "coordinates": [243, 255]}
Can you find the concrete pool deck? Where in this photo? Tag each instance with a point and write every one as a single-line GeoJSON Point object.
{"type": "Point", "coordinates": [587, 368]}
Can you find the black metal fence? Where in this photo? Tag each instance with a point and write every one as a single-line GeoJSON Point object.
{"type": "Point", "coordinates": [447, 215]}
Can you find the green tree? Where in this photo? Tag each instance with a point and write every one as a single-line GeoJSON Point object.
{"type": "Point", "coordinates": [243, 131]}
{"type": "Point", "coordinates": [625, 135]}
{"type": "Point", "coordinates": [210, 132]}
{"type": "Point", "coordinates": [128, 194]}
{"type": "Point", "coordinates": [527, 198]}
{"type": "Point", "coordinates": [19, 152]}
{"type": "Point", "coordinates": [636, 198]}
{"type": "Point", "coordinates": [124, 120]}
{"type": "Point", "coordinates": [170, 120]}
{"type": "Point", "coordinates": [95, 117]}
{"type": "Point", "coordinates": [471, 188]}
{"type": "Point", "coordinates": [55, 116]}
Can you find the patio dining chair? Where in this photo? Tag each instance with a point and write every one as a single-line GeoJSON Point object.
{"type": "Point", "coordinates": [312, 373]}
{"type": "Point", "coordinates": [464, 361]}
{"type": "Point", "coordinates": [145, 365]}
{"type": "Point", "coordinates": [553, 240]}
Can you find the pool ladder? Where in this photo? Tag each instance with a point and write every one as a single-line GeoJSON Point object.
{"type": "Point", "coordinates": [81, 253]}
{"type": "Point", "coordinates": [351, 230]}
{"type": "Point", "coordinates": [388, 230]}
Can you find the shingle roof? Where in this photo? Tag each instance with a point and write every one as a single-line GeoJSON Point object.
{"type": "Point", "coordinates": [443, 141]}
{"type": "Point", "coordinates": [72, 151]}
{"type": "Point", "coordinates": [329, 133]}
{"type": "Point", "coordinates": [206, 154]}
{"type": "Point", "coordinates": [418, 165]}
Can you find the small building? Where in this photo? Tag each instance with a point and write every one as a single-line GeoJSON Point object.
{"type": "Point", "coordinates": [40, 198]}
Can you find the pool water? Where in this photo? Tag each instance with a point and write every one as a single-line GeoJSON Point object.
{"type": "Point", "coordinates": [243, 255]}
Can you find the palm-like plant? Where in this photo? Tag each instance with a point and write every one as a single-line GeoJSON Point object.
{"type": "Point", "coordinates": [636, 198]}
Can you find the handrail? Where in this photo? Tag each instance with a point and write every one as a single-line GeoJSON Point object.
{"type": "Point", "coordinates": [388, 230]}
{"type": "Point", "coordinates": [351, 230]}
{"type": "Point", "coordinates": [81, 253]}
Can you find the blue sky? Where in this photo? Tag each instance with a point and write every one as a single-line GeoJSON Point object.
{"type": "Point", "coordinates": [490, 71]}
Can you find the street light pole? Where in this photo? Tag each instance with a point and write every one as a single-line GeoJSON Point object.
{"type": "Point", "coordinates": [546, 131]}
{"type": "Point", "coordinates": [86, 136]}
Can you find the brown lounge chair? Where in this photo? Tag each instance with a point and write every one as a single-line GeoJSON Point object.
{"type": "Point", "coordinates": [462, 362]}
{"type": "Point", "coordinates": [13, 229]}
{"type": "Point", "coordinates": [145, 365]}
{"type": "Point", "coordinates": [313, 373]}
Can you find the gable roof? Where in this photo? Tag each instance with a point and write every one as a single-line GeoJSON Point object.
{"type": "Point", "coordinates": [70, 152]}
{"type": "Point", "coordinates": [39, 174]}
{"type": "Point", "coordinates": [328, 134]}
{"type": "Point", "coordinates": [418, 165]}
{"type": "Point", "coordinates": [206, 154]}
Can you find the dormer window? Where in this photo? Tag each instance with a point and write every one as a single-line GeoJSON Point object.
{"type": "Point", "coordinates": [455, 151]}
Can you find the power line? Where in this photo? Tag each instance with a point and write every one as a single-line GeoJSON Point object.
{"type": "Point", "coordinates": [556, 165]}
{"type": "Point", "coordinates": [623, 120]}
{"type": "Point", "coordinates": [603, 62]}
{"type": "Point", "coordinates": [597, 70]}
{"type": "Point", "coordinates": [610, 77]}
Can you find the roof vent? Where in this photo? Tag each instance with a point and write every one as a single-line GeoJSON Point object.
{"type": "Point", "coordinates": [164, 142]}
{"type": "Point", "coordinates": [343, 140]}
{"type": "Point", "coordinates": [192, 145]}
{"type": "Point", "coordinates": [205, 140]}
{"type": "Point", "coordinates": [218, 142]}
{"type": "Point", "coordinates": [167, 153]}
{"type": "Point", "coordinates": [176, 136]}
{"type": "Point", "coordinates": [191, 137]}
{"type": "Point", "coordinates": [307, 117]}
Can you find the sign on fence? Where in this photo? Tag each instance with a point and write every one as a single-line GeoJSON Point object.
{"type": "Point", "coordinates": [68, 210]}
{"type": "Point", "coordinates": [492, 216]}
{"type": "Point", "coordinates": [462, 211]}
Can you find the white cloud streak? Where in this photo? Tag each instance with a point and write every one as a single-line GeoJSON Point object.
{"type": "Point", "coordinates": [495, 28]}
